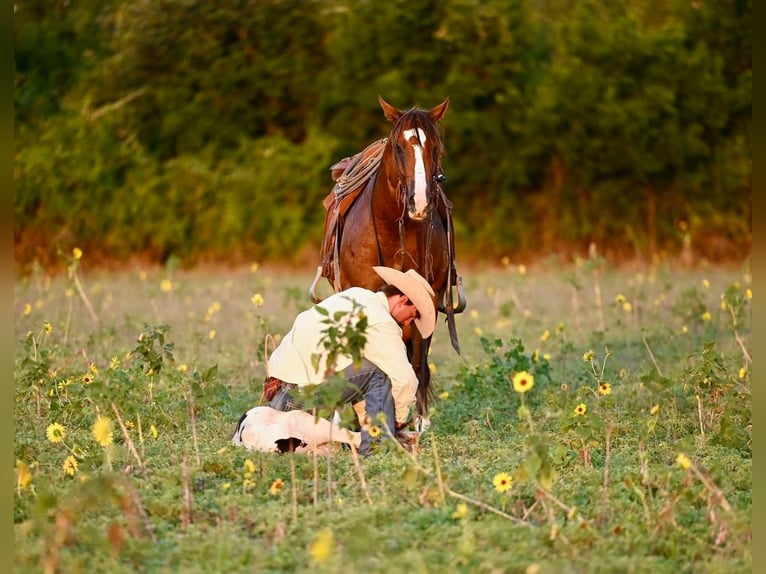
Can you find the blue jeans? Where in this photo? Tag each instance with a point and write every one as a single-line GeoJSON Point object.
{"type": "Point", "coordinates": [366, 382]}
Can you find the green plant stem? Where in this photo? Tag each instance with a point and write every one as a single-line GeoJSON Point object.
{"type": "Point", "coordinates": [437, 465]}
{"type": "Point", "coordinates": [740, 342]}
{"type": "Point", "coordinates": [487, 507]}
{"type": "Point", "coordinates": [294, 488]}
{"type": "Point", "coordinates": [129, 442]}
{"type": "Point", "coordinates": [360, 473]}
{"type": "Point", "coordinates": [84, 297]}
{"type": "Point", "coordinates": [651, 355]}
{"type": "Point", "coordinates": [605, 485]}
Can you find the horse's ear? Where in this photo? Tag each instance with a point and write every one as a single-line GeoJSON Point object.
{"type": "Point", "coordinates": [391, 113]}
{"type": "Point", "coordinates": [437, 112]}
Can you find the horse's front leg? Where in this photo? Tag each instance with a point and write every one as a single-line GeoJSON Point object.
{"type": "Point", "coordinates": [418, 350]}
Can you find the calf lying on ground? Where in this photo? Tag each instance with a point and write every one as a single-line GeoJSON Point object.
{"type": "Point", "coordinates": [269, 430]}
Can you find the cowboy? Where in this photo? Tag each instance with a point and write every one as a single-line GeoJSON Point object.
{"type": "Point", "coordinates": [384, 380]}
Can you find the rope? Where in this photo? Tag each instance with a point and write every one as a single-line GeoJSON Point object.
{"type": "Point", "coordinates": [266, 340]}
{"type": "Point", "coordinates": [359, 171]}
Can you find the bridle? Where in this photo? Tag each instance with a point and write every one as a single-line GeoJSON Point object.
{"type": "Point", "coordinates": [437, 176]}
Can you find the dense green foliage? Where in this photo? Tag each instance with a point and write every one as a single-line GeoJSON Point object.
{"type": "Point", "coordinates": [199, 130]}
{"type": "Point", "coordinates": [656, 361]}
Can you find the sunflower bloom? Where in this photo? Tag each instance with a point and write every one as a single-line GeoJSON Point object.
{"type": "Point", "coordinates": [502, 481]}
{"type": "Point", "coordinates": [588, 356]}
{"type": "Point", "coordinates": [70, 465]}
{"type": "Point", "coordinates": [249, 466]}
{"type": "Point", "coordinates": [374, 431]}
{"type": "Point", "coordinates": [77, 253]}
{"type": "Point", "coordinates": [461, 511]}
{"type": "Point", "coordinates": [276, 487]}
{"type": "Point", "coordinates": [580, 409]}
{"type": "Point", "coordinates": [257, 300]}
{"type": "Point", "coordinates": [321, 548]}
{"type": "Point", "coordinates": [683, 461]}
{"type": "Point", "coordinates": [522, 382]}
{"type": "Point", "coordinates": [55, 432]}
{"type": "Point", "coordinates": [604, 388]}
{"type": "Point", "coordinates": [706, 316]}
{"type": "Point", "coordinates": [102, 431]}
{"type": "Point", "coordinates": [743, 372]}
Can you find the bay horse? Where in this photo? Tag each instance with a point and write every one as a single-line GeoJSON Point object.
{"type": "Point", "coordinates": [388, 208]}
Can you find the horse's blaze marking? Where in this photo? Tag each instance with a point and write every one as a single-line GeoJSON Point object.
{"type": "Point", "coordinates": [421, 183]}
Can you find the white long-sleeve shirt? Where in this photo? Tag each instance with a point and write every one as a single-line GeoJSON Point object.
{"type": "Point", "coordinates": [291, 360]}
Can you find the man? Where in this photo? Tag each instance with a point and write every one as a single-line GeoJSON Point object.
{"type": "Point", "coordinates": [385, 380]}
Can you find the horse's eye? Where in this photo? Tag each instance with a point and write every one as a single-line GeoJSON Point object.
{"type": "Point", "coordinates": [399, 150]}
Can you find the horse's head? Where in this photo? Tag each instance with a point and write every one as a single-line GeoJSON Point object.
{"type": "Point", "coordinates": [417, 149]}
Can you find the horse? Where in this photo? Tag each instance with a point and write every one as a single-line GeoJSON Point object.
{"type": "Point", "coordinates": [388, 207]}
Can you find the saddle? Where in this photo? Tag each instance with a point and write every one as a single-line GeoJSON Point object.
{"type": "Point", "coordinates": [351, 175]}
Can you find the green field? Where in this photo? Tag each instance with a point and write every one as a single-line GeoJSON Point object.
{"type": "Point", "coordinates": [632, 451]}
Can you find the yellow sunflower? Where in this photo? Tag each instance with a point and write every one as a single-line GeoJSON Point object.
{"type": "Point", "coordinates": [70, 465]}
{"type": "Point", "coordinates": [502, 481]}
{"type": "Point", "coordinates": [276, 487]}
{"type": "Point", "coordinates": [55, 432]}
{"type": "Point", "coordinates": [102, 431]}
{"type": "Point", "coordinates": [523, 381]}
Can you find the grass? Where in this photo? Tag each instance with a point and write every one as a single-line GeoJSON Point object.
{"type": "Point", "coordinates": [172, 358]}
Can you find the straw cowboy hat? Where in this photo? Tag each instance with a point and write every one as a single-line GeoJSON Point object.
{"type": "Point", "coordinates": [417, 289]}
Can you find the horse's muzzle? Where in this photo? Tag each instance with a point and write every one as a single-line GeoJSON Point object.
{"type": "Point", "coordinates": [419, 210]}
{"type": "Point", "coordinates": [418, 215]}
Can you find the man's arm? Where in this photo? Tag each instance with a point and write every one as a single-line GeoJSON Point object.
{"type": "Point", "coordinates": [385, 349]}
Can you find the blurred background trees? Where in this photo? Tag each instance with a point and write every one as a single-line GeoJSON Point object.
{"type": "Point", "coordinates": [205, 130]}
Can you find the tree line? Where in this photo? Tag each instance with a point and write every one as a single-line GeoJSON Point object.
{"type": "Point", "coordinates": [205, 130]}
